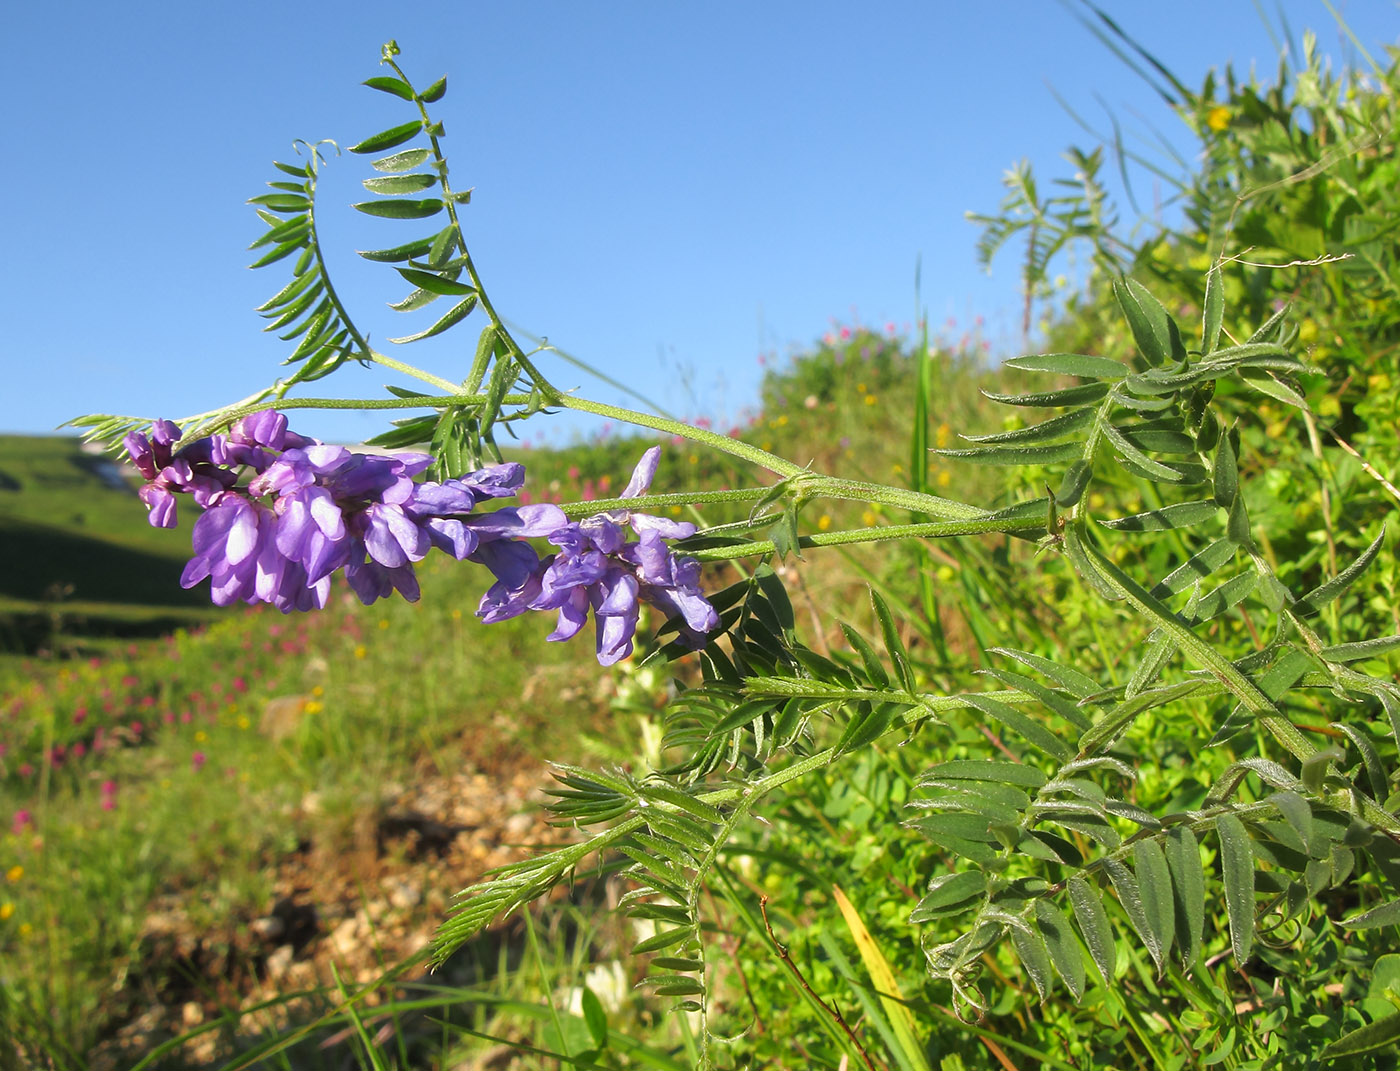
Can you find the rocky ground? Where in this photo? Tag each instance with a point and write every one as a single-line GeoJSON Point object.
{"type": "Point", "coordinates": [335, 914]}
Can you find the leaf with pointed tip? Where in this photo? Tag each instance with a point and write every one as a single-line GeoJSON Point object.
{"type": "Point", "coordinates": [1355, 652]}
{"type": "Point", "coordinates": [1010, 773]}
{"type": "Point", "coordinates": [1071, 680]}
{"type": "Point", "coordinates": [949, 894]}
{"type": "Point", "coordinates": [894, 646]}
{"type": "Point", "coordinates": [299, 170]}
{"type": "Point", "coordinates": [1386, 914]}
{"type": "Point", "coordinates": [402, 161]}
{"type": "Point", "coordinates": [1030, 946]}
{"type": "Point", "coordinates": [1189, 880]}
{"type": "Point", "coordinates": [1267, 384]}
{"type": "Point", "coordinates": [416, 299]}
{"type": "Point", "coordinates": [1237, 874]}
{"type": "Point", "coordinates": [1094, 925]}
{"type": "Point", "coordinates": [1226, 476]}
{"type": "Point", "coordinates": [1046, 430]}
{"type": "Point", "coordinates": [1155, 333]}
{"type": "Point", "coordinates": [1213, 313]}
{"type": "Point", "coordinates": [1062, 946]}
{"type": "Point", "coordinates": [1379, 1035]}
{"type": "Point", "coordinates": [388, 139]}
{"type": "Point", "coordinates": [284, 230]}
{"type": "Point", "coordinates": [435, 283]}
{"type": "Point", "coordinates": [1069, 364]}
{"type": "Point", "coordinates": [1074, 547]}
{"type": "Point", "coordinates": [1032, 731]}
{"type": "Point", "coordinates": [1177, 515]}
{"type": "Point", "coordinates": [1199, 566]}
{"type": "Point", "coordinates": [282, 202]}
{"type": "Point", "coordinates": [406, 209]}
{"type": "Point", "coordinates": [1053, 399]}
{"type": "Point", "coordinates": [393, 185]}
{"type": "Point", "coordinates": [1076, 479]}
{"type": "Point", "coordinates": [1131, 897]}
{"type": "Point", "coordinates": [278, 252]}
{"type": "Point", "coordinates": [1016, 455]}
{"type": "Point", "coordinates": [434, 92]}
{"type": "Point", "coordinates": [395, 86]}
{"type": "Point", "coordinates": [1321, 595]}
{"type": "Point", "coordinates": [407, 251]}
{"type": "Point", "coordinates": [1155, 884]}
{"type": "Point", "coordinates": [873, 668]}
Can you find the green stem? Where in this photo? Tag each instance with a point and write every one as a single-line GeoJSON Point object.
{"type": "Point", "coordinates": [932, 530]}
{"type": "Point", "coordinates": [737, 447]}
{"type": "Point", "coordinates": [416, 373]}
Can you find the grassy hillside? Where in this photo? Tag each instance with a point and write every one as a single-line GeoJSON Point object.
{"type": "Point", "coordinates": [82, 564]}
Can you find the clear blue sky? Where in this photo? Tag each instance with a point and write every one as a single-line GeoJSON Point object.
{"type": "Point", "coordinates": [667, 190]}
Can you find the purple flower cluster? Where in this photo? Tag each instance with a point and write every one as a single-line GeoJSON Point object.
{"type": "Point", "coordinates": [282, 513]}
{"type": "Point", "coordinates": [597, 567]}
{"type": "Point", "coordinates": [310, 509]}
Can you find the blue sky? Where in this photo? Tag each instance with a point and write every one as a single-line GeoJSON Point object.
{"type": "Point", "coordinates": [666, 190]}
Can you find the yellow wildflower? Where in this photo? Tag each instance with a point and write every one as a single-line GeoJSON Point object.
{"type": "Point", "coordinates": [14, 873]}
{"type": "Point", "coordinates": [1218, 118]}
{"type": "Point", "coordinates": [824, 522]}
{"type": "Point", "coordinates": [6, 910]}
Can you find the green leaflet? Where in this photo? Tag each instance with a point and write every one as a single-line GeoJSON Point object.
{"type": "Point", "coordinates": [1155, 885]}
{"type": "Point", "coordinates": [1386, 914]}
{"type": "Point", "coordinates": [1030, 946]}
{"type": "Point", "coordinates": [1188, 879]}
{"type": "Point", "coordinates": [1053, 399]}
{"type": "Point", "coordinates": [1071, 680]}
{"type": "Point", "coordinates": [1155, 333]}
{"type": "Point", "coordinates": [1381, 1034]}
{"type": "Point", "coordinates": [1237, 874]}
{"type": "Point", "coordinates": [1178, 515]}
{"type": "Point", "coordinates": [1045, 430]}
{"type": "Point", "coordinates": [436, 284]}
{"type": "Point", "coordinates": [402, 161]}
{"type": "Point", "coordinates": [405, 209]}
{"type": "Point", "coordinates": [1011, 773]}
{"type": "Point", "coordinates": [1213, 313]}
{"type": "Point", "coordinates": [393, 185]}
{"type": "Point", "coordinates": [1355, 652]}
{"type": "Point", "coordinates": [1129, 891]}
{"type": "Point", "coordinates": [1033, 732]}
{"type": "Point", "coordinates": [1324, 593]}
{"type": "Point", "coordinates": [388, 139]}
{"type": "Point", "coordinates": [1094, 925]}
{"type": "Point", "coordinates": [434, 92]}
{"type": "Point", "coordinates": [1061, 945]}
{"type": "Point", "coordinates": [948, 894]}
{"type": "Point", "coordinates": [1070, 364]}
{"type": "Point", "coordinates": [395, 86]}
{"type": "Point", "coordinates": [454, 315]}
{"type": "Point", "coordinates": [407, 251]}
{"type": "Point", "coordinates": [1017, 455]}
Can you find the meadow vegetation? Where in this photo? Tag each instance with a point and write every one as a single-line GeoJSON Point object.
{"type": "Point", "coordinates": [1108, 780]}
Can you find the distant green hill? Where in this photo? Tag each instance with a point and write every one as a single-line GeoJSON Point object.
{"type": "Point", "coordinates": [74, 542]}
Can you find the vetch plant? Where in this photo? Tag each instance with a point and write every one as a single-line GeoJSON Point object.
{"type": "Point", "coordinates": [1046, 826]}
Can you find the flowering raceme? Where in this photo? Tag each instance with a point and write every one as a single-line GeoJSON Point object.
{"type": "Point", "coordinates": [312, 509]}
{"type": "Point", "coordinates": [309, 510]}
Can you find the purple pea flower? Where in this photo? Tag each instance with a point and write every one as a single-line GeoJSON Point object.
{"type": "Point", "coordinates": [597, 568]}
